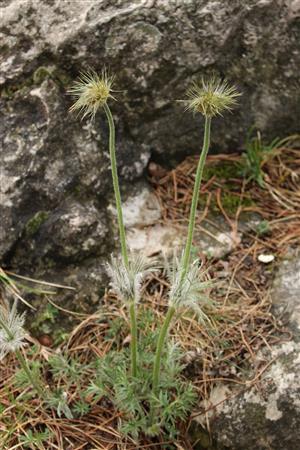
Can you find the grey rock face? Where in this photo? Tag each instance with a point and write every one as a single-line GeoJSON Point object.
{"type": "Point", "coordinates": [268, 417]}
{"type": "Point", "coordinates": [71, 233]}
{"type": "Point", "coordinates": [55, 187]}
{"type": "Point", "coordinates": [286, 291]}
{"type": "Point", "coordinates": [156, 48]}
{"type": "Point", "coordinates": [269, 420]}
{"type": "Point", "coordinates": [45, 159]}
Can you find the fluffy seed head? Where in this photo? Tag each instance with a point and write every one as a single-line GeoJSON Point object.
{"type": "Point", "coordinates": [12, 334]}
{"type": "Point", "coordinates": [211, 97]}
{"type": "Point", "coordinates": [91, 91]}
{"type": "Point", "coordinates": [126, 281]}
{"type": "Point", "coordinates": [191, 290]}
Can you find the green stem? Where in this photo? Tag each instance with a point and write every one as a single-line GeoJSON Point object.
{"type": "Point", "coordinates": [29, 374]}
{"type": "Point", "coordinates": [186, 256]}
{"type": "Point", "coordinates": [114, 172]}
{"type": "Point", "coordinates": [159, 348]}
{"type": "Point", "coordinates": [195, 199]}
{"type": "Point", "coordinates": [133, 343]}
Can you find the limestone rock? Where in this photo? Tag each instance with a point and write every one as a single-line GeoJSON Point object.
{"type": "Point", "coordinates": [156, 240]}
{"type": "Point", "coordinates": [69, 234]}
{"type": "Point", "coordinates": [149, 234]}
{"type": "Point", "coordinates": [268, 417]}
{"type": "Point", "coordinates": [46, 158]}
{"type": "Point", "coordinates": [156, 49]}
{"type": "Point", "coordinates": [55, 182]}
{"type": "Point", "coordinates": [286, 290]}
{"type": "Point", "coordinates": [141, 207]}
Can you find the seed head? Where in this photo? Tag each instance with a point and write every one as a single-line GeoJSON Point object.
{"type": "Point", "coordinates": [126, 281]}
{"type": "Point", "coordinates": [191, 290]}
{"type": "Point", "coordinates": [91, 91]}
{"type": "Point", "coordinates": [12, 334]}
{"type": "Point", "coordinates": [211, 97]}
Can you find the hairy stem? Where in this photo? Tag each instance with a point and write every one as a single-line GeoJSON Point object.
{"type": "Point", "coordinates": [133, 343]}
{"type": "Point", "coordinates": [195, 198]}
{"type": "Point", "coordinates": [157, 361]}
{"type": "Point", "coordinates": [186, 256]}
{"type": "Point", "coordinates": [114, 172]}
{"type": "Point", "coordinates": [159, 348]}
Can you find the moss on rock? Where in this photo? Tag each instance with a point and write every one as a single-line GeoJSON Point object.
{"type": "Point", "coordinates": [34, 224]}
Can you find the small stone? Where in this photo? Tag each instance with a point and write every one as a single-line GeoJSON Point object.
{"type": "Point", "coordinates": [266, 259]}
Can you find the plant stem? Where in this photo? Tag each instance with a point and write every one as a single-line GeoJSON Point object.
{"type": "Point", "coordinates": [159, 348]}
{"type": "Point", "coordinates": [133, 343]}
{"type": "Point", "coordinates": [186, 255]}
{"type": "Point", "coordinates": [195, 199]}
{"type": "Point", "coordinates": [114, 172]}
{"type": "Point", "coordinates": [29, 374]}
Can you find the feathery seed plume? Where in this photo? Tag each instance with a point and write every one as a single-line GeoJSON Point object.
{"type": "Point", "coordinates": [211, 97]}
{"type": "Point", "coordinates": [92, 92]}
